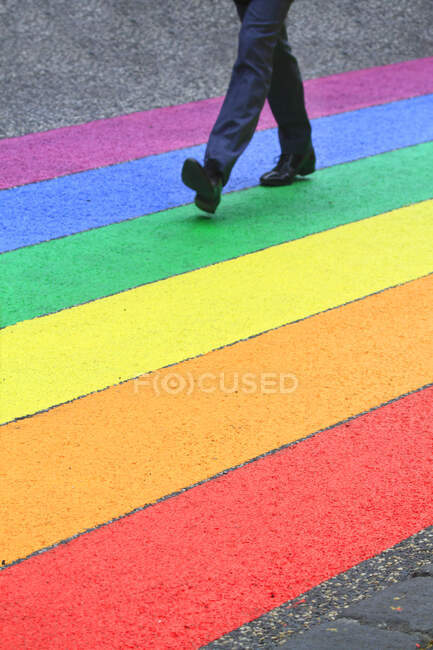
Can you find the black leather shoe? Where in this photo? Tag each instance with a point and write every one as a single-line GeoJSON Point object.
{"type": "Point", "coordinates": [289, 166]}
{"type": "Point", "coordinates": [205, 181]}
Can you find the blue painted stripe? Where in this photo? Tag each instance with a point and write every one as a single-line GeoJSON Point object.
{"type": "Point", "coordinates": [62, 206]}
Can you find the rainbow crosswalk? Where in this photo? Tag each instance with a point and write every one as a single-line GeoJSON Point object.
{"type": "Point", "coordinates": [113, 288]}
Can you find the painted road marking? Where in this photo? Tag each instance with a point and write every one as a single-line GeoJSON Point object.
{"type": "Point", "coordinates": [104, 455]}
{"type": "Point", "coordinates": [128, 137]}
{"type": "Point", "coordinates": [194, 567]}
{"type": "Point", "coordinates": [104, 261]}
{"type": "Point", "coordinates": [56, 358]}
{"type": "Point", "coordinates": [95, 198]}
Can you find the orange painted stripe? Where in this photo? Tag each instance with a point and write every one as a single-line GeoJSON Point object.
{"type": "Point", "coordinates": [192, 568]}
{"type": "Point", "coordinates": [95, 458]}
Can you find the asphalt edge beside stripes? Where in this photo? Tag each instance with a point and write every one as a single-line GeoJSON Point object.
{"type": "Point", "coordinates": [228, 470]}
{"type": "Point", "coordinates": [329, 599]}
{"type": "Point", "coordinates": [340, 76]}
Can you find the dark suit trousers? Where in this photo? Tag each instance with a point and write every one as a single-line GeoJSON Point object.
{"type": "Point", "coordinates": [265, 68]}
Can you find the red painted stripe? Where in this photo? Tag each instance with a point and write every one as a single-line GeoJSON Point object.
{"type": "Point", "coordinates": [191, 568]}
{"type": "Point", "coordinates": [40, 156]}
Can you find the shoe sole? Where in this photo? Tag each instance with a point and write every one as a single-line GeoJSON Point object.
{"type": "Point", "coordinates": [194, 177]}
{"type": "Point", "coordinates": [305, 168]}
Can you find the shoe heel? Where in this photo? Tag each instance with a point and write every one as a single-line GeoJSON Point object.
{"type": "Point", "coordinates": [309, 166]}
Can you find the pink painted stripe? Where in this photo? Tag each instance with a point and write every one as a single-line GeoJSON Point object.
{"type": "Point", "coordinates": [40, 156]}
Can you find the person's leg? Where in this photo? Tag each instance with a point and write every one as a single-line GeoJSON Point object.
{"type": "Point", "coordinates": [241, 6]}
{"type": "Point", "coordinates": [286, 94]}
{"type": "Point", "coordinates": [262, 21]}
{"type": "Point", "coordinates": [286, 99]}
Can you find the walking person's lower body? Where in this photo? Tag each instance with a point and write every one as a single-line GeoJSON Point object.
{"type": "Point", "coordinates": [265, 68]}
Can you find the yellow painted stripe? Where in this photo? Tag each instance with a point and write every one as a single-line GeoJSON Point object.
{"type": "Point", "coordinates": [59, 357]}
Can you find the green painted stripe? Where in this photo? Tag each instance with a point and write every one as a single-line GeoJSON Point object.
{"type": "Point", "coordinates": [61, 273]}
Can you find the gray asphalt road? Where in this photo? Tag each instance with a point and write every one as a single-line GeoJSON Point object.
{"type": "Point", "coordinates": [66, 62]}
{"type": "Point", "coordinates": [330, 599]}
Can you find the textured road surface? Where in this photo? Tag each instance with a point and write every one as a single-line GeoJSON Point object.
{"type": "Point", "coordinates": [332, 598]}
{"type": "Point", "coordinates": [68, 62]}
{"type": "Point", "coordinates": [65, 63]}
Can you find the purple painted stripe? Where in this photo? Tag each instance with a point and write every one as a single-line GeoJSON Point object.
{"type": "Point", "coordinates": [40, 156]}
